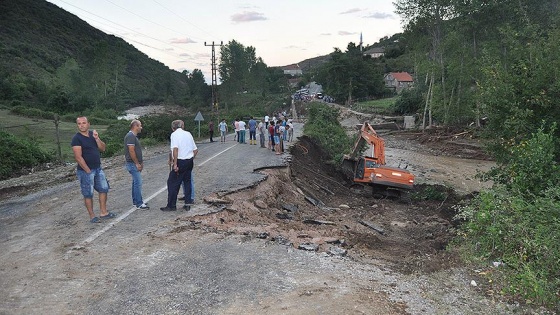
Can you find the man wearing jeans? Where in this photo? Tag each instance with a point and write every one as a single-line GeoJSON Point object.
{"type": "Point", "coordinates": [86, 146]}
{"type": "Point", "coordinates": [134, 162]}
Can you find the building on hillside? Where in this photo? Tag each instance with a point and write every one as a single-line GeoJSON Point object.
{"type": "Point", "coordinates": [398, 81]}
{"type": "Point", "coordinates": [375, 52]}
{"type": "Point", "coordinates": [293, 70]}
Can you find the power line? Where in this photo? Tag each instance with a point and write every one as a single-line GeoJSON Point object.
{"type": "Point", "coordinates": [175, 13]}
{"type": "Point", "coordinates": [145, 19]}
{"type": "Point", "coordinates": [132, 30]}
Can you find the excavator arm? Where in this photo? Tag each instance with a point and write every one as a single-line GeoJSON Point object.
{"type": "Point", "coordinates": [368, 135]}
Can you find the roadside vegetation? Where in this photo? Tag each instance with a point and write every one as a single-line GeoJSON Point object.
{"type": "Point", "coordinates": [323, 126]}
{"type": "Point", "coordinates": [19, 154]}
{"type": "Point", "coordinates": [516, 224]}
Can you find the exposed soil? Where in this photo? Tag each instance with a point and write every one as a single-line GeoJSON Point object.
{"type": "Point", "coordinates": [312, 206]}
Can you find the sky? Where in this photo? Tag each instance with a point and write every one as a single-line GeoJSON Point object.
{"type": "Point", "coordinates": [179, 33]}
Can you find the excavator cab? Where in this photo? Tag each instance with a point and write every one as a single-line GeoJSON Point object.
{"type": "Point", "coordinates": [367, 171]}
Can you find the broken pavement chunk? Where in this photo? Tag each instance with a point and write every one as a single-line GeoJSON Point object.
{"type": "Point", "coordinates": [309, 247]}
{"type": "Point", "coordinates": [284, 216]}
{"type": "Point", "coordinates": [262, 235]}
{"type": "Point", "coordinates": [313, 221]}
{"type": "Point", "coordinates": [337, 251]}
{"type": "Point", "coordinates": [290, 207]}
{"type": "Point", "coordinates": [372, 226]}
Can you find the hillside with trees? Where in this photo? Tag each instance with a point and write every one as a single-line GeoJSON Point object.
{"type": "Point", "coordinates": [51, 59]}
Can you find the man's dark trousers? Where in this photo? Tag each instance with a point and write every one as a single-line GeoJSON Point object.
{"type": "Point", "coordinates": [183, 175]}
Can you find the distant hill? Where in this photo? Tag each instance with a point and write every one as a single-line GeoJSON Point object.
{"type": "Point", "coordinates": [43, 47]}
{"type": "Point", "coordinates": [312, 63]}
{"type": "Point", "coordinates": [393, 50]}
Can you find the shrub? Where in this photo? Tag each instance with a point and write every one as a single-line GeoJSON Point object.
{"type": "Point", "coordinates": [528, 167]}
{"type": "Point", "coordinates": [32, 112]}
{"type": "Point", "coordinates": [323, 126]}
{"type": "Point", "coordinates": [518, 220]}
{"type": "Point", "coordinates": [17, 154]}
{"type": "Point", "coordinates": [409, 101]}
{"type": "Point", "coordinates": [114, 137]}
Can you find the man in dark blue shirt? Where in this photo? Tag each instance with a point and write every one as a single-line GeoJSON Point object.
{"type": "Point", "coordinates": [86, 146]}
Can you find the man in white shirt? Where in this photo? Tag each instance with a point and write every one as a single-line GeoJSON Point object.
{"type": "Point", "coordinates": [183, 152]}
{"type": "Point", "coordinates": [241, 137]}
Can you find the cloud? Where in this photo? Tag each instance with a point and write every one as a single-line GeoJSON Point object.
{"type": "Point", "coordinates": [325, 34]}
{"type": "Point", "coordinates": [185, 40]}
{"type": "Point", "coordinates": [204, 55]}
{"type": "Point", "coordinates": [248, 16]}
{"type": "Point", "coordinates": [379, 16]}
{"type": "Point", "coordinates": [345, 33]}
{"type": "Point", "coordinates": [354, 10]}
{"type": "Point", "coordinates": [184, 55]}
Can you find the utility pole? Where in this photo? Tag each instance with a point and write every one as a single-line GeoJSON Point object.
{"type": "Point", "coordinates": [214, 80]}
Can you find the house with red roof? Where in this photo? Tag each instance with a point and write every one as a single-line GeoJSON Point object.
{"type": "Point", "coordinates": [398, 81]}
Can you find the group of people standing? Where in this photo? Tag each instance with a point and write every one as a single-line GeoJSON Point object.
{"type": "Point", "coordinates": [276, 131]}
{"type": "Point", "coordinates": [279, 131]}
{"type": "Point", "coordinates": [87, 148]}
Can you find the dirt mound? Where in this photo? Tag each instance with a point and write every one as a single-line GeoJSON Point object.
{"type": "Point", "coordinates": [462, 143]}
{"type": "Point", "coordinates": [310, 206]}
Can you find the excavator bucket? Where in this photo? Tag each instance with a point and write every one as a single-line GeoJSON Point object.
{"type": "Point", "coordinates": [348, 167]}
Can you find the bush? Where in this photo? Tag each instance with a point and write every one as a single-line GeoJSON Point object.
{"type": "Point", "coordinates": [158, 127]}
{"type": "Point", "coordinates": [518, 220]}
{"type": "Point", "coordinates": [114, 137]}
{"type": "Point", "coordinates": [155, 129]}
{"type": "Point", "coordinates": [506, 227]}
{"type": "Point", "coordinates": [32, 112]}
{"type": "Point", "coordinates": [323, 126]}
{"type": "Point", "coordinates": [17, 154]}
{"type": "Point", "coordinates": [409, 101]}
{"type": "Point", "coordinates": [528, 167]}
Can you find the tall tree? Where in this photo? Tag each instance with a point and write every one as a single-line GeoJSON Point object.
{"type": "Point", "coordinates": [429, 15]}
{"type": "Point", "coordinates": [350, 76]}
{"type": "Point", "coordinates": [236, 62]}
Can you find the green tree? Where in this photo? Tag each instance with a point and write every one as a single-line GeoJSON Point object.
{"type": "Point", "coordinates": [350, 76]}
{"type": "Point", "coordinates": [236, 62]}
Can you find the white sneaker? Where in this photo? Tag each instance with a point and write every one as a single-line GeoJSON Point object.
{"type": "Point", "coordinates": [143, 207]}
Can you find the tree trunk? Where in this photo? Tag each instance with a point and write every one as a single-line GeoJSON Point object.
{"type": "Point", "coordinates": [428, 101]}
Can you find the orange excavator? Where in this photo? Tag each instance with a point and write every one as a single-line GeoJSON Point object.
{"type": "Point", "coordinates": [371, 169]}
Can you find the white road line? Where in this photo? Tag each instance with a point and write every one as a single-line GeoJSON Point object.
{"type": "Point", "coordinates": [118, 219]}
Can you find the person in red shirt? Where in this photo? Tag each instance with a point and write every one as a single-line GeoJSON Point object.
{"type": "Point", "coordinates": [271, 135]}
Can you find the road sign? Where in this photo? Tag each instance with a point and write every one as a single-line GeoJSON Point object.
{"type": "Point", "coordinates": [199, 118]}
